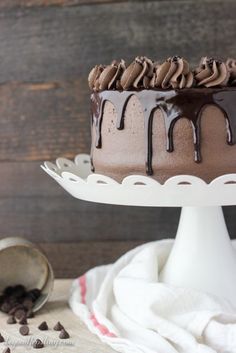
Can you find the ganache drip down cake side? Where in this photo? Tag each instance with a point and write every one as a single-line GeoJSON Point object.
{"type": "Point", "coordinates": [164, 119]}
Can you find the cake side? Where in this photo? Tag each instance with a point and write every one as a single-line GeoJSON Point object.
{"type": "Point", "coordinates": [125, 151]}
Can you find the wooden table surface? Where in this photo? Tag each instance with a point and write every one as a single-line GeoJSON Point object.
{"type": "Point", "coordinates": [81, 340]}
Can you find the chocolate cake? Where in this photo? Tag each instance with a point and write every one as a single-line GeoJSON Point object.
{"type": "Point", "coordinates": [164, 119]}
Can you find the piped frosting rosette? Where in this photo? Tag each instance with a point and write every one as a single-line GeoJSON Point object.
{"type": "Point", "coordinates": [211, 73]}
{"type": "Point", "coordinates": [106, 77]}
{"type": "Point", "coordinates": [138, 74]}
{"type": "Point", "coordinates": [173, 73]}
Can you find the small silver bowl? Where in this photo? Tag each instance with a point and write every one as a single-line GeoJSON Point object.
{"type": "Point", "coordinates": [21, 262]}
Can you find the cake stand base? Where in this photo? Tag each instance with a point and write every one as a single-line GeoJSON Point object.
{"type": "Point", "coordinates": [202, 256]}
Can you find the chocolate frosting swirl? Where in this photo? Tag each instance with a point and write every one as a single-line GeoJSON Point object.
{"type": "Point", "coordinates": [110, 76]}
{"type": "Point", "coordinates": [211, 73]}
{"type": "Point", "coordinates": [93, 77]}
{"type": "Point", "coordinates": [173, 73]}
{"type": "Point", "coordinates": [231, 66]}
{"type": "Point", "coordinates": [106, 77]}
{"type": "Point", "coordinates": [138, 74]}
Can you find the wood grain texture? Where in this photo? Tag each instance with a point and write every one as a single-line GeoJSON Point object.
{"type": "Point", "coordinates": [63, 43]}
{"type": "Point", "coordinates": [43, 120]}
{"type": "Point", "coordinates": [73, 260]}
{"type": "Point", "coordinates": [66, 219]}
{"type": "Point", "coordinates": [57, 309]}
{"type": "Point", "coordinates": [6, 4]}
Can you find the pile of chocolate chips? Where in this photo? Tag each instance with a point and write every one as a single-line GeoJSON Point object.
{"type": "Point", "coordinates": [18, 303]}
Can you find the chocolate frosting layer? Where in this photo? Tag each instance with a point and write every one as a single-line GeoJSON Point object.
{"type": "Point", "coordinates": [173, 73]}
{"type": "Point", "coordinates": [174, 104]}
{"type": "Point", "coordinates": [211, 73]}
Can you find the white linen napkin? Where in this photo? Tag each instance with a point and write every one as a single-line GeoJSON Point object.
{"type": "Point", "coordinates": [129, 309]}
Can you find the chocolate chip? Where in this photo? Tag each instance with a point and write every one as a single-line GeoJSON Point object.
{"type": "Point", "coordinates": [43, 326]}
{"type": "Point", "coordinates": [12, 300]}
{"type": "Point", "coordinates": [38, 344]}
{"type": "Point", "coordinates": [34, 294]}
{"type": "Point", "coordinates": [24, 330]}
{"type": "Point", "coordinates": [11, 320]}
{"type": "Point", "coordinates": [28, 303]}
{"type": "Point", "coordinates": [8, 291]}
{"type": "Point", "coordinates": [19, 291]}
{"type": "Point", "coordinates": [58, 326]}
{"type": "Point", "coordinates": [2, 338]}
{"type": "Point", "coordinates": [64, 334]}
{"type": "Point", "coordinates": [15, 308]}
{"type": "Point", "coordinates": [5, 307]}
{"type": "Point", "coordinates": [6, 350]}
{"type": "Point", "coordinates": [23, 321]}
{"type": "Point", "coordinates": [12, 311]}
{"type": "Point", "coordinates": [2, 298]}
{"type": "Point", "coordinates": [19, 314]}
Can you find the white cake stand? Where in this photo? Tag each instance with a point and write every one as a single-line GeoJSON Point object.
{"type": "Point", "coordinates": [202, 256]}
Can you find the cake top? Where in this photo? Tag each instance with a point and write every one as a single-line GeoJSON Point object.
{"type": "Point", "coordinates": [174, 73]}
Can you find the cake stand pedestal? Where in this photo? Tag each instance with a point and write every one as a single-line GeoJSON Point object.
{"type": "Point", "coordinates": [202, 256]}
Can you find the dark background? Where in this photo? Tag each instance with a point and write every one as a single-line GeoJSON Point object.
{"type": "Point", "coordinates": [47, 48]}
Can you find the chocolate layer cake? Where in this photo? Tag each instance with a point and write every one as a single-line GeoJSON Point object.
{"type": "Point", "coordinates": [164, 119]}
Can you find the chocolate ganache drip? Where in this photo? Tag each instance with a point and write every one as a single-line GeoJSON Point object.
{"type": "Point", "coordinates": [174, 104]}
